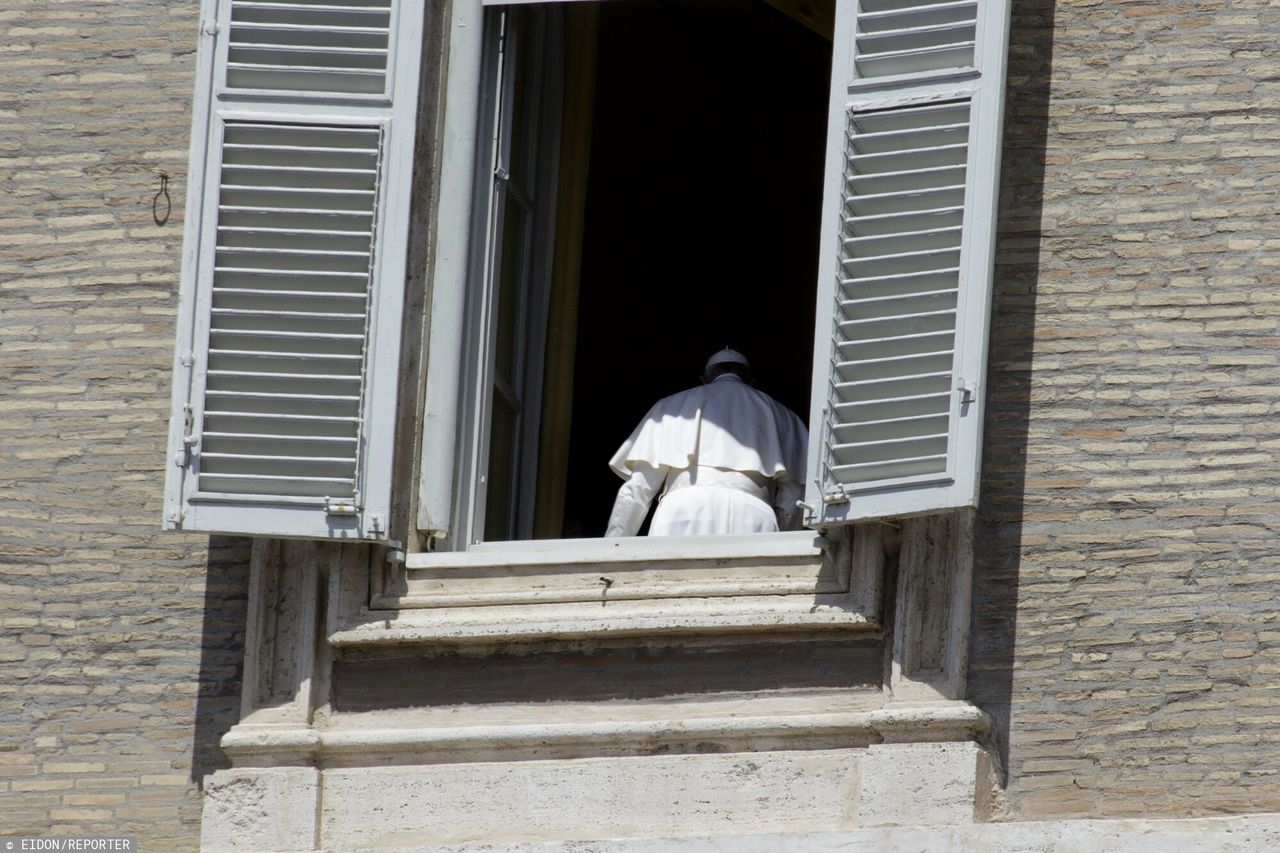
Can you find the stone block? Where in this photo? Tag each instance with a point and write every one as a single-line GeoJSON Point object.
{"type": "Point", "coordinates": [583, 799]}
{"type": "Point", "coordinates": [924, 784]}
{"type": "Point", "coordinates": [270, 808]}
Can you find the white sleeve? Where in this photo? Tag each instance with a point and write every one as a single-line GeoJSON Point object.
{"type": "Point", "coordinates": [632, 503]}
{"type": "Point", "coordinates": [786, 499]}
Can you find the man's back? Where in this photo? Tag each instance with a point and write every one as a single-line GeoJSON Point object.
{"type": "Point", "coordinates": [723, 424]}
{"type": "Point", "coordinates": [727, 457]}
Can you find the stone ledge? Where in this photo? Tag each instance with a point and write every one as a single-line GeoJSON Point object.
{"type": "Point", "coordinates": [283, 745]}
{"type": "Point", "coordinates": [627, 619]}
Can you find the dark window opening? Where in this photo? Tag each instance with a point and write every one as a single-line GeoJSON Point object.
{"type": "Point", "coordinates": [693, 138]}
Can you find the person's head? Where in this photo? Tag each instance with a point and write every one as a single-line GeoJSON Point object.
{"type": "Point", "coordinates": [727, 361]}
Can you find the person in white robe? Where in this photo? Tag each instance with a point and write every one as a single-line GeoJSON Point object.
{"type": "Point", "coordinates": [726, 458]}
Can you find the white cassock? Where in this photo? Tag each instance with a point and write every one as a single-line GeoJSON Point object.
{"type": "Point", "coordinates": [726, 457]}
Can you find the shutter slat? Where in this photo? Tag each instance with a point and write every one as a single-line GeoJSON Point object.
{"type": "Point", "coordinates": [378, 53]}
{"type": "Point", "coordinates": [301, 72]}
{"type": "Point", "coordinates": [277, 482]}
{"type": "Point", "coordinates": [292, 294]}
{"type": "Point", "coordinates": [881, 7]}
{"type": "Point", "coordinates": [292, 416]}
{"type": "Point", "coordinates": [304, 211]}
{"type": "Point", "coordinates": [280, 356]}
{"type": "Point", "coordinates": [911, 466]}
{"type": "Point", "coordinates": [879, 381]}
{"type": "Point", "coordinates": [247, 312]}
{"type": "Point", "coordinates": [232, 186]}
{"type": "Point", "coordinates": [270, 272]}
{"type": "Point", "coordinates": [256, 144]}
{"type": "Point", "coordinates": [369, 58]}
{"type": "Point", "coordinates": [249, 458]}
{"type": "Point", "coordinates": [891, 243]}
{"type": "Point", "coordinates": [855, 179]}
{"type": "Point", "coordinates": [336, 32]}
{"type": "Point", "coordinates": [892, 282]}
{"type": "Point", "coordinates": [876, 218]}
{"type": "Point", "coordinates": [914, 156]}
{"type": "Point", "coordinates": [379, 8]}
{"type": "Point", "coordinates": [294, 232]}
{"type": "Point", "coordinates": [306, 253]}
{"type": "Point", "coordinates": [933, 260]}
{"type": "Point", "coordinates": [903, 398]}
{"type": "Point", "coordinates": [336, 377]}
{"type": "Point", "coordinates": [881, 193]}
{"type": "Point", "coordinates": [869, 362]}
{"type": "Point", "coordinates": [878, 15]}
{"type": "Point", "coordinates": [276, 437]}
{"type": "Point", "coordinates": [266, 395]}
{"type": "Point", "coordinates": [313, 173]}
{"type": "Point", "coordinates": [888, 422]}
{"type": "Point", "coordinates": [906, 338]}
{"type": "Point", "coordinates": [918, 315]}
{"type": "Point", "coordinates": [897, 441]}
{"type": "Point", "coordinates": [289, 333]}
{"type": "Point", "coordinates": [871, 300]}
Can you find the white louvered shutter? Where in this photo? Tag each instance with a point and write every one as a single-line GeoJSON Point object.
{"type": "Point", "coordinates": [294, 267]}
{"type": "Point", "coordinates": [913, 154]}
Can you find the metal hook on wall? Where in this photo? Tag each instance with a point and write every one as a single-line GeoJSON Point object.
{"type": "Point", "coordinates": [161, 219]}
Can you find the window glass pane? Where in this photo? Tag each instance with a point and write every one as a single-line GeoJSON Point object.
{"type": "Point", "coordinates": [525, 75]}
{"type": "Point", "coordinates": [498, 515]}
{"type": "Point", "coordinates": [512, 259]}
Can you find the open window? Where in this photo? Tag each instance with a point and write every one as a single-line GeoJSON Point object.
{"type": "Point", "coordinates": [624, 186]}
{"type": "Point", "coordinates": [631, 216]}
{"type": "Point", "coordinates": [684, 210]}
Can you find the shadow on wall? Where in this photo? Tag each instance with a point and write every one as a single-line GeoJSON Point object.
{"type": "Point", "coordinates": [999, 531]}
{"type": "Point", "coordinates": [221, 652]}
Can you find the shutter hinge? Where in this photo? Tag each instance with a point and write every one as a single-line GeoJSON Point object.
{"type": "Point", "coordinates": [209, 28]}
{"type": "Point", "coordinates": [968, 391]}
{"type": "Point", "coordinates": [340, 506]}
{"type": "Point", "coordinates": [835, 495]}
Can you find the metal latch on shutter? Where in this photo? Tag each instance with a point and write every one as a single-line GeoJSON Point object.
{"type": "Point", "coordinates": [968, 391]}
{"type": "Point", "coordinates": [340, 506]}
{"type": "Point", "coordinates": [189, 440]}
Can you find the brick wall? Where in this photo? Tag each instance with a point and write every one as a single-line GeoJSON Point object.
{"type": "Point", "coordinates": [1126, 621]}
{"type": "Point", "coordinates": [118, 645]}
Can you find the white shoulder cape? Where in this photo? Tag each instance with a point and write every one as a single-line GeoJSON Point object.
{"type": "Point", "coordinates": [723, 424]}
